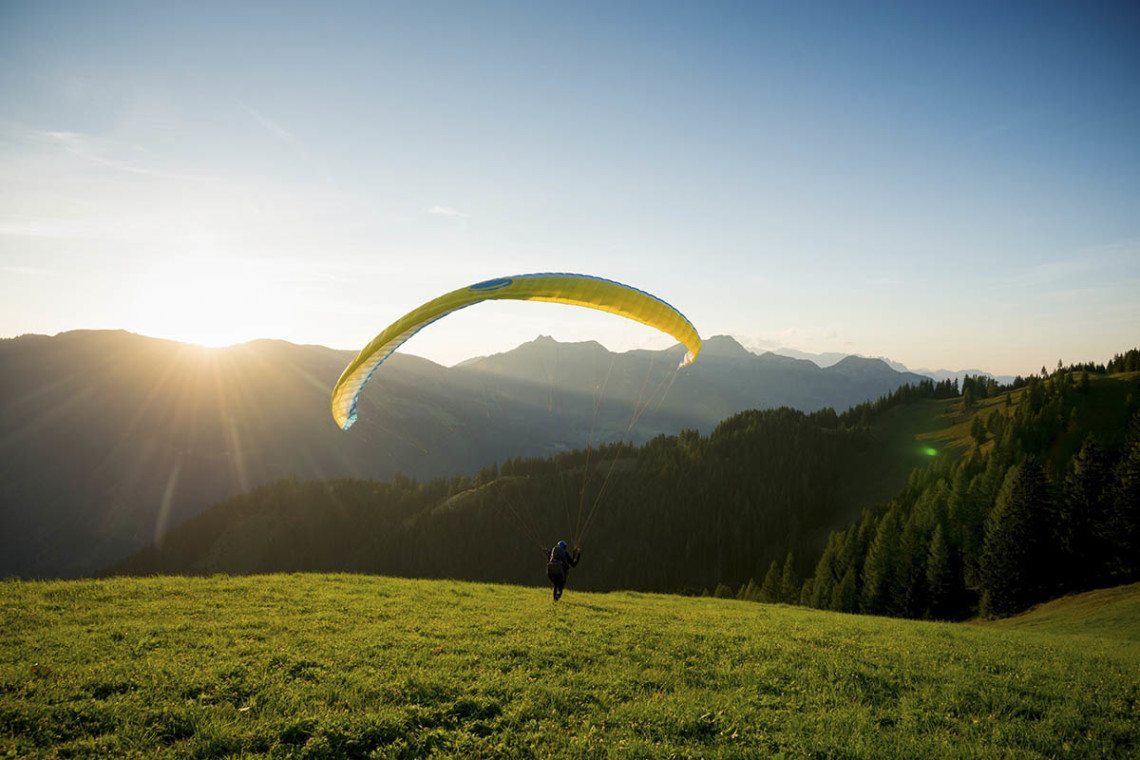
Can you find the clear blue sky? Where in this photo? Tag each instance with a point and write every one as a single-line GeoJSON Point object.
{"type": "Point", "coordinates": [951, 185]}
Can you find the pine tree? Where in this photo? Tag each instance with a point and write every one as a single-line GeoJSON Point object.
{"type": "Point", "coordinates": [789, 582]}
{"type": "Point", "coordinates": [909, 588]}
{"type": "Point", "coordinates": [823, 582]}
{"type": "Point", "coordinates": [845, 596]}
{"type": "Point", "coordinates": [879, 567]}
{"type": "Point", "coordinates": [770, 589]}
{"type": "Point", "coordinates": [978, 430]}
{"type": "Point", "coordinates": [995, 424]}
{"type": "Point", "coordinates": [1124, 521]}
{"type": "Point", "coordinates": [1084, 520]}
{"type": "Point", "coordinates": [1015, 557]}
{"type": "Point", "coordinates": [969, 507]}
{"type": "Point", "coordinates": [941, 583]}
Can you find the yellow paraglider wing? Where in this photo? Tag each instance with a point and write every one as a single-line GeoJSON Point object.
{"type": "Point", "coordinates": [573, 289]}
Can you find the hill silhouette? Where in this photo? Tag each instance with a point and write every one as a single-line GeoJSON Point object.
{"type": "Point", "coordinates": [112, 438]}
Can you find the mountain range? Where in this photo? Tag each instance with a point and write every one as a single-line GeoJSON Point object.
{"type": "Point", "coordinates": [829, 358]}
{"type": "Point", "coordinates": [109, 438]}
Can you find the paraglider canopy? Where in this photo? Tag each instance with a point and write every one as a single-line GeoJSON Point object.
{"type": "Point", "coordinates": [573, 289]}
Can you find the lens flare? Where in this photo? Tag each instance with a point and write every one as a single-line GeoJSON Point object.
{"type": "Point", "coordinates": [930, 451]}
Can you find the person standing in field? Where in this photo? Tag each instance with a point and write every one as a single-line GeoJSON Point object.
{"type": "Point", "coordinates": [558, 566]}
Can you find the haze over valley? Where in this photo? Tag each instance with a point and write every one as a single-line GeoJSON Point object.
{"type": "Point", "coordinates": [114, 438]}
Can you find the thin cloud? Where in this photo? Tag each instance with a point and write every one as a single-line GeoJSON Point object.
{"type": "Point", "coordinates": [275, 129]}
{"type": "Point", "coordinates": [822, 339]}
{"type": "Point", "coordinates": [448, 211]}
{"type": "Point", "coordinates": [87, 148]}
{"type": "Point", "coordinates": [1111, 264]}
{"type": "Point", "coordinates": [286, 137]}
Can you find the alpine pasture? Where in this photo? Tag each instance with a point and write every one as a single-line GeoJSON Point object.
{"type": "Point", "coordinates": [312, 665]}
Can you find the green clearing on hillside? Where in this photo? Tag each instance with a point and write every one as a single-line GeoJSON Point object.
{"type": "Point", "coordinates": [906, 433]}
{"type": "Point", "coordinates": [342, 665]}
{"type": "Point", "coordinates": [946, 423]}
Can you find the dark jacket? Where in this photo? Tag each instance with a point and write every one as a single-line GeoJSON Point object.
{"type": "Point", "coordinates": [563, 557]}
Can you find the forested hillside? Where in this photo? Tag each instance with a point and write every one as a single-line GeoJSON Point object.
{"type": "Point", "coordinates": [1045, 501]}
{"type": "Point", "coordinates": [679, 513]}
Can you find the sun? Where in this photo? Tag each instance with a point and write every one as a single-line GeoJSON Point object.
{"type": "Point", "coordinates": [209, 301]}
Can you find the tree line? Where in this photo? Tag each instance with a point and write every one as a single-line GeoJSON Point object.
{"type": "Point", "coordinates": [1020, 519]}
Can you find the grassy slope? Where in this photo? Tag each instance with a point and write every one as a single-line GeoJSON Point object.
{"type": "Point", "coordinates": [1111, 613]}
{"type": "Point", "coordinates": [352, 665]}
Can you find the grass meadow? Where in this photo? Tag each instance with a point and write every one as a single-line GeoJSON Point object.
{"type": "Point", "coordinates": [360, 666]}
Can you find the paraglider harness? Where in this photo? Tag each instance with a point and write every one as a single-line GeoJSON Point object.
{"type": "Point", "coordinates": [559, 564]}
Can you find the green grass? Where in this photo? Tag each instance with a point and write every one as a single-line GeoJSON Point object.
{"type": "Point", "coordinates": [926, 422]}
{"type": "Point", "coordinates": [340, 665]}
{"type": "Point", "coordinates": [1111, 613]}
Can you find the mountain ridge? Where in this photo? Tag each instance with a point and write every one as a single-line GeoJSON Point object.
{"type": "Point", "coordinates": [111, 438]}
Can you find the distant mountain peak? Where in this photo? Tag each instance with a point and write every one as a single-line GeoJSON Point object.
{"type": "Point", "coordinates": [853, 361]}
{"type": "Point", "coordinates": [820, 360]}
{"type": "Point", "coordinates": [723, 345]}
{"type": "Point", "coordinates": [550, 341]}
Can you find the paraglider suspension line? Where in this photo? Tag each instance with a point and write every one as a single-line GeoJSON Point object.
{"type": "Point", "coordinates": [639, 410]}
{"type": "Point", "coordinates": [598, 396]}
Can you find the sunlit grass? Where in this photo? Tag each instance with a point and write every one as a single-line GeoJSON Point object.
{"type": "Point", "coordinates": [338, 665]}
{"type": "Point", "coordinates": [1111, 613]}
